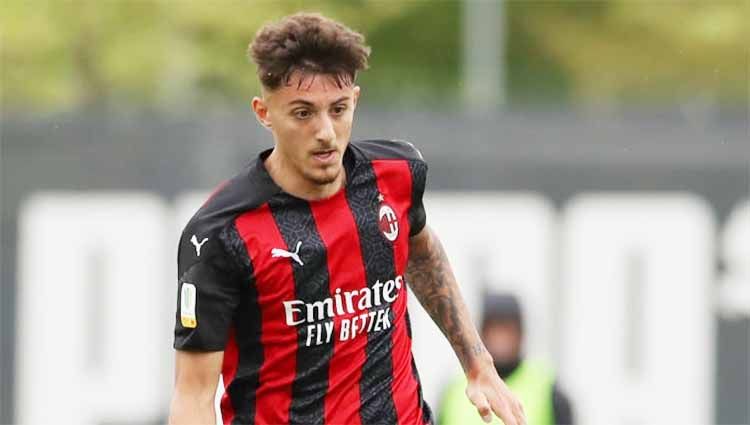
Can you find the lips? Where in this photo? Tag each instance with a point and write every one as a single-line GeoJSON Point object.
{"type": "Point", "coordinates": [325, 156]}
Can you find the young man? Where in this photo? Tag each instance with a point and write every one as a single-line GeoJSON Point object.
{"type": "Point", "coordinates": [292, 276]}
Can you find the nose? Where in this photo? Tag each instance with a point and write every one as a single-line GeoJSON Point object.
{"type": "Point", "coordinates": [325, 132]}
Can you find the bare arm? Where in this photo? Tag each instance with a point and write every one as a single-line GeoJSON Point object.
{"type": "Point", "coordinates": [196, 378]}
{"type": "Point", "coordinates": [431, 279]}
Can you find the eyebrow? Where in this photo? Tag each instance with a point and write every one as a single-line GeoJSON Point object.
{"type": "Point", "coordinates": [308, 103]}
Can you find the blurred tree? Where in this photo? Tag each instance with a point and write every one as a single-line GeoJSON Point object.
{"type": "Point", "coordinates": [63, 54]}
{"type": "Point", "coordinates": [623, 50]}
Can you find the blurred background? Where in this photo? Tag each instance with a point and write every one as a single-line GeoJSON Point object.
{"type": "Point", "coordinates": [590, 157]}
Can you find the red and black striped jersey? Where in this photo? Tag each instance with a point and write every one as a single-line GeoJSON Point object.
{"type": "Point", "coordinates": [307, 299]}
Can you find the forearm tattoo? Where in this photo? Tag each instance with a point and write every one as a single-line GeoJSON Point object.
{"type": "Point", "coordinates": [431, 279]}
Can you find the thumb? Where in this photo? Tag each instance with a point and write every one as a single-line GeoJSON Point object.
{"type": "Point", "coordinates": [479, 401]}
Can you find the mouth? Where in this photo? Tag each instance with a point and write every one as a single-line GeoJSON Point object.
{"type": "Point", "coordinates": [325, 156]}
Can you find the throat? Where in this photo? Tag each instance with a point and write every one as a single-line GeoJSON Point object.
{"type": "Point", "coordinates": [505, 369]}
{"type": "Point", "coordinates": [299, 184]}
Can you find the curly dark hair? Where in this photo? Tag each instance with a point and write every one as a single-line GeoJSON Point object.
{"type": "Point", "coordinates": [311, 43]}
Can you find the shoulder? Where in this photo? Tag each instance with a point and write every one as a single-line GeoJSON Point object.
{"type": "Point", "coordinates": [539, 364]}
{"type": "Point", "coordinates": [454, 395]}
{"type": "Point", "coordinates": [246, 191]}
{"type": "Point", "coordinates": [388, 149]}
{"type": "Point", "coordinates": [538, 369]}
{"type": "Point", "coordinates": [208, 231]}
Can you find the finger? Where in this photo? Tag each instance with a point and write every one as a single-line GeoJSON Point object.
{"type": "Point", "coordinates": [519, 413]}
{"type": "Point", "coordinates": [504, 410]}
{"type": "Point", "coordinates": [480, 402]}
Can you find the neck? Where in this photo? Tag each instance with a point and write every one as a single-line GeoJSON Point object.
{"type": "Point", "coordinates": [504, 369]}
{"type": "Point", "coordinates": [291, 181]}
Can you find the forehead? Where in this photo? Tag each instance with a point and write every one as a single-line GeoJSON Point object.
{"type": "Point", "coordinates": [311, 87]}
{"type": "Point", "coordinates": [499, 324]}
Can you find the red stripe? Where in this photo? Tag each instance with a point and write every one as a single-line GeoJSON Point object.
{"type": "Point", "coordinates": [395, 184]}
{"type": "Point", "coordinates": [338, 232]}
{"type": "Point", "coordinates": [274, 281]}
{"type": "Point", "coordinates": [228, 370]}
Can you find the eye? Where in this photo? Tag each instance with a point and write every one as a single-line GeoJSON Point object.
{"type": "Point", "coordinates": [338, 109]}
{"type": "Point", "coordinates": [302, 114]}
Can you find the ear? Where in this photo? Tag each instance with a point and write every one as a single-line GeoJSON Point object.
{"type": "Point", "coordinates": [261, 111]}
{"type": "Point", "coordinates": [355, 94]}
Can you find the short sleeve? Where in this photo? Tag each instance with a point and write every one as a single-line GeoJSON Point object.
{"type": "Point", "coordinates": [417, 214]}
{"type": "Point", "coordinates": [207, 294]}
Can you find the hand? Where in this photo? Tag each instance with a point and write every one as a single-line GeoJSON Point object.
{"type": "Point", "coordinates": [489, 394]}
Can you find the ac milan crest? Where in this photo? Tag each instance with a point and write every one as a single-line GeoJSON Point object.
{"type": "Point", "coordinates": [387, 220]}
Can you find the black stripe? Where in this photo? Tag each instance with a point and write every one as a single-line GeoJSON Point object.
{"type": "Point", "coordinates": [376, 396]}
{"type": "Point", "coordinates": [247, 324]}
{"type": "Point", "coordinates": [311, 283]}
{"type": "Point", "coordinates": [421, 403]}
{"type": "Point", "coordinates": [387, 149]}
{"type": "Point", "coordinates": [417, 215]}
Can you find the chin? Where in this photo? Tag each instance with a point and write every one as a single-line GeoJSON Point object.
{"type": "Point", "coordinates": [324, 176]}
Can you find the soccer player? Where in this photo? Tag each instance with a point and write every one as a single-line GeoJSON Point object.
{"type": "Point", "coordinates": [293, 274]}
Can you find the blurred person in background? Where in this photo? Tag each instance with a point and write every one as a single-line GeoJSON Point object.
{"type": "Point", "coordinates": [531, 380]}
{"type": "Point", "coordinates": [292, 275]}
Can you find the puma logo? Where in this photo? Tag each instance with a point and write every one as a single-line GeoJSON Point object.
{"type": "Point", "coordinates": [194, 241]}
{"type": "Point", "coordinates": [278, 252]}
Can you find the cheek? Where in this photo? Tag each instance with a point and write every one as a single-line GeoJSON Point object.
{"type": "Point", "coordinates": [497, 345]}
{"type": "Point", "coordinates": [501, 342]}
{"type": "Point", "coordinates": [285, 125]}
{"type": "Point", "coordinates": [344, 126]}
{"type": "Point", "coordinates": [288, 131]}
